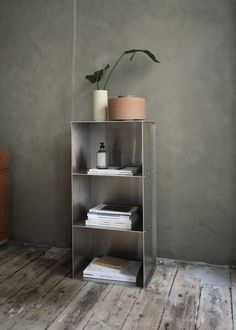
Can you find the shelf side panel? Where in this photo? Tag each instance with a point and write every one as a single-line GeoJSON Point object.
{"type": "Point", "coordinates": [149, 201]}
{"type": "Point", "coordinates": [80, 198]}
{"type": "Point", "coordinates": [80, 139]}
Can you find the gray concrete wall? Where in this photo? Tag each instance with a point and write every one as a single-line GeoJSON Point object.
{"type": "Point", "coordinates": [190, 95]}
{"type": "Point", "coordinates": [36, 39]}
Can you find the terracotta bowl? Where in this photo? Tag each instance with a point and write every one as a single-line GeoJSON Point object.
{"type": "Point", "coordinates": [127, 107]}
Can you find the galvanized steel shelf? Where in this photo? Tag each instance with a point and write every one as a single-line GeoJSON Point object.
{"type": "Point", "coordinates": [128, 142]}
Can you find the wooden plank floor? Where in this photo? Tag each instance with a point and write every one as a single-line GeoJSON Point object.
{"type": "Point", "coordinates": [37, 292]}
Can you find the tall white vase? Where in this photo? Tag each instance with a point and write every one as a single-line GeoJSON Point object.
{"type": "Point", "coordinates": [100, 103]}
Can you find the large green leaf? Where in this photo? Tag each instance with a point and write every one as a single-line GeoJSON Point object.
{"type": "Point", "coordinates": [97, 75]}
{"type": "Point", "coordinates": [145, 51]}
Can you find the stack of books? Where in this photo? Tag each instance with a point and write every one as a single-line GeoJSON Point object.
{"type": "Point", "coordinates": [115, 170]}
{"type": "Point", "coordinates": [113, 216]}
{"type": "Point", "coordinates": [114, 269]}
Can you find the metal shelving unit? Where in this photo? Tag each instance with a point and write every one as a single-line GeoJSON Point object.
{"type": "Point", "coordinates": [128, 142]}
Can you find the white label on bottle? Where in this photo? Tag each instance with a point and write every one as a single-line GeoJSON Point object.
{"type": "Point", "coordinates": [101, 160]}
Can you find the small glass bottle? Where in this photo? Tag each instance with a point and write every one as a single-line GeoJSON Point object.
{"type": "Point", "coordinates": [102, 161]}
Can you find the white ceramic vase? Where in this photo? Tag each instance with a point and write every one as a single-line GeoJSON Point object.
{"type": "Point", "coordinates": [100, 104]}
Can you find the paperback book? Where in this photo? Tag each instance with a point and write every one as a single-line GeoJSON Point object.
{"type": "Point", "coordinates": [114, 209]}
{"type": "Point", "coordinates": [113, 216]}
{"type": "Point", "coordinates": [125, 171]}
{"type": "Point", "coordinates": [127, 273]}
{"type": "Point", "coordinates": [109, 222]}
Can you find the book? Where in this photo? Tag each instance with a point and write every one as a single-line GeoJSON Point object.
{"type": "Point", "coordinates": [110, 168]}
{"type": "Point", "coordinates": [113, 219]}
{"type": "Point", "coordinates": [111, 262]}
{"type": "Point", "coordinates": [128, 170]}
{"type": "Point", "coordinates": [111, 223]}
{"type": "Point", "coordinates": [130, 275]}
{"type": "Point", "coordinates": [127, 274]}
{"type": "Point", "coordinates": [111, 216]}
{"type": "Point", "coordinates": [110, 277]}
{"type": "Point", "coordinates": [114, 209]}
{"type": "Point", "coordinates": [113, 226]}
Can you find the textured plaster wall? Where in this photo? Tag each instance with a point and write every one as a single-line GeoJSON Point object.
{"type": "Point", "coordinates": [36, 39]}
{"type": "Point", "coordinates": [191, 96]}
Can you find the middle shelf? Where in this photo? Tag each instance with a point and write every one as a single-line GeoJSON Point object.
{"type": "Point", "coordinates": [85, 173]}
{"type": "Point", "coordinates": [138, 228]}
{"type": "Point", "coordinates": [89, 191]}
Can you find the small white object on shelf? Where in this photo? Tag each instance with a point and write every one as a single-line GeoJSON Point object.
{"type": "Point", "coordinates": [102, 157]}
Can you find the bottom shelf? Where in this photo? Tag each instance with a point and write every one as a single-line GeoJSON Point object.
{"type": "Point", "coordinates": [78, 274]}
{"type": "Point", "coordinates": [89, 243]}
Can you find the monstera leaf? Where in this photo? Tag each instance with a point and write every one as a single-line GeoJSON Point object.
{"type": "Point", "coordinates": [97, 75]}
{"type": "Point", "coordinates": [132, 52]}
{"type": "Point", "coordinates": [145, 51]}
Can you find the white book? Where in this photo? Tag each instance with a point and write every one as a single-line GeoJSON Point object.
{"type": "Point", "coordinates": [122, 219]}
{"type": "Point", "coordinates": [95, 224]}
{"type": "Point", "coordinates": [130, 170]}
{"type": "Point", "coordinates": [128, 274]}
{"type": "Point", "coordinates": [95, 215]}
{"type": "Point", "coordinates": [114, 209]}
{"type": "Point", "coordinates": [107, 216]}
{"type": "Point", "coordinates": [109, 171]}
{"type": "Point", "coordinates": [133, 169]}
{"type": "Point", "coordinates": [110, 168]}
{"type": "Point", "coordinates": [113, 276]}
{"type": "Point", "coordinates": [109, 223]}
{"type": "Point", "coordinates": [114, 174]}
{"type": "Point", "coordinates": [114, 222]}
{"type": "Point", "coordinates": [110, 277]}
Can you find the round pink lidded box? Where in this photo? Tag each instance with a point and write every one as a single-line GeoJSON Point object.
{"type": "Point", "coordinates": [127, 107]}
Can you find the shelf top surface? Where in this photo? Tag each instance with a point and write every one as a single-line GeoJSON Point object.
{"type": "Point", "coordinates": [85, 173]}
{"type": "Point", "coordinates": [112, 121]}
{"type": "Point", "coordinates": [137, 229]}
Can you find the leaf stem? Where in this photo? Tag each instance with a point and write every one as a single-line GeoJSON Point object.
{"type": "Point", "coordinates": [113, 68]}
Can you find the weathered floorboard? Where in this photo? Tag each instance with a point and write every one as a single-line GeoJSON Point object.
{"type": "Point", "coordinates": [114, 309]}
{"type": "Point", "coordinates": [33, 293]}
{"type": "Point", "coordinates": [82, 307]}
{"type": "Point", "coordinates": [10, 251]}
{"type": "Point", "coordinates": [21, 278]}
{"type": "Point", "coordinates": [182, 303]}
{"type": "Point", "coordinates": [215, 309]}
{"type": "Point", "coordinates": [44, 312]}
{"type": "Point", "coordinates": [149, 306]}
{"type": "Point", "coordinates": [233, 288]}
{"type": "Point", "coordinates": [18, 262]}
